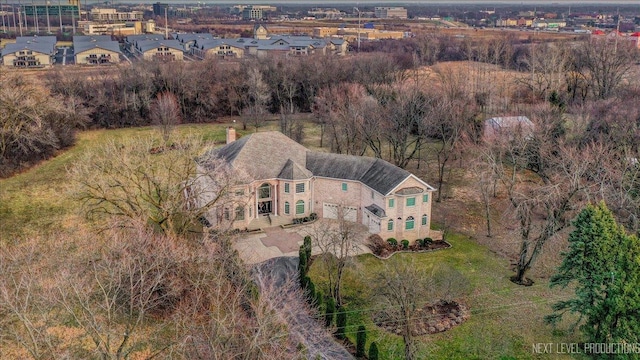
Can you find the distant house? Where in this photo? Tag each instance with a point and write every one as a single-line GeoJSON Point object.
{"type": "Point", "coordinates": [218, 48]}
{"type": "Point", "coordinates": [155, 48]}
{"type": "Point", "coordinates": [96, 50]}
{"type": "Point", "coordinates": [189, 40]}
{"type": "Point", "coordinates": [288, 181]}
{"type": "Point", "coordinates": [507, 127]}
{"type": "Point", "coordinates": [30, 52]}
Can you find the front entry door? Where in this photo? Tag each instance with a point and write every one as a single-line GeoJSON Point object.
{"type": "Point", "coordinates": [264, 207]}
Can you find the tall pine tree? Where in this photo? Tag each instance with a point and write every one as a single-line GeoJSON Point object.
{"type": "Point", "coordinates": [604, 263]}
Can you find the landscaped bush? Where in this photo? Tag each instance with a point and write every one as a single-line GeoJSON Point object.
{"type": "Point", "coordinates": [405, 244]}
{"type": "Point", "coordinates": [392, 241]}
{"type": "Point", "coordinates": [373, 351]}
{"type": "Point", "coordinates": [428, 241]}
{"type": "Point", "coordinates": [318, 299]}
{"type": "Point", "coordinates": [420, 243]}
{"type": "Point", "coordinates": [329, 311]}
{"type": "Point", "coordinates": [361, 341]}
{"type": "Point", "coordinates": [313, 216]}
{"type": "Point", "coordinates": [341, 324]}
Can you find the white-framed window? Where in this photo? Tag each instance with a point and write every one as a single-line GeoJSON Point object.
{"type": "Point", "coordinates": [392, 202]}
{"type": "Point", "coordinates": [424, 219]}
{"type": "Point", "coordinates": [411, 201]}
{"type": "Point", "coordinates": [286, 188]}
{"type": "Point", "coordinates": [390, 225]}
{"type": "Point", "coordinates": [299, 188]}
{"type": "Point", "coordinates": [286, 208]}
{"type": "Point", "coordinates": [425, 198]}
{"type": "Point", "coordinates": [344, 186]}
{"type": "Point", "coordinates": [299, 207]}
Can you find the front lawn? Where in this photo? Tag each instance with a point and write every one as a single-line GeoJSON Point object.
{"type": "Point", "coordinates": [506, 319]}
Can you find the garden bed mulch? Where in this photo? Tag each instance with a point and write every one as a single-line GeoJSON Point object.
{"type": "Point", "coordinates": [429, 319]}
{"type": "Point", "coordinates": [383, 250]}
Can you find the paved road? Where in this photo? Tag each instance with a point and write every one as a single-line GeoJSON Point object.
{"type": "Point", "coordinates": [281, 273]}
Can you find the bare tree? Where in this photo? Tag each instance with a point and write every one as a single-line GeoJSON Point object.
{"type": "Point", "coordinates": [135, 179]}
{"type": "Point", "coordinates": [338, 243]}
{"type": "Point", "coordinates": [27, 311]}
{"type": "Point", "coordinates": [340, 111]}
{"type": "Point", "coordinates": [547, 65]}
{"type": "Point", "coordinates": [605, 63]}
{"type": "Point", "coordinates": [402, 287]}
{"type": "Point", "coordinates": [32, 123]}
{"type": "Point", "coordinates": [256, 99]}
{"type": "Point", "coordinates": [165, 114]}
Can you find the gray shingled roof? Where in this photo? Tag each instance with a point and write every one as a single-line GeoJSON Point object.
{"type": "Point", "coordinates": [90, 38]}
{"type": "Point", "coordinates": [146, 45]}
{"type": "Point", "coordinates": [293, 171]}
{"type": "Point", "coordinates": [80, 44]}
{"type": "Point", "coordinates": [43, 48]}
{"type": "Point", "coordinates": [271, 154]}
{"type": "Point", "coordinates": [210, 44]}
{"type": "Point", "coordinates": [36, 39]}
{"type": "Point", "coordinates": [376, 210]}
{"type": "Point", "coordinates": [185, 38]}
{"type": "Point", "coordinates": [375, 173]}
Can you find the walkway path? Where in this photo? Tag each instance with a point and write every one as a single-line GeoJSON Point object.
{"type": "Point", "coordinates": [281, 273]}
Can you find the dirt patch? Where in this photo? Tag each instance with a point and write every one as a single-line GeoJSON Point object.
{"type": "Point", "coordinates": [429, 319]}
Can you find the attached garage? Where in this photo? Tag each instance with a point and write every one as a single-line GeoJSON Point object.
{"type": "Point", "coordinates": [331, 211]}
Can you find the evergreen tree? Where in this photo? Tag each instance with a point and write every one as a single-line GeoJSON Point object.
{"type": "Point", "coordinates": [302, 266]}
{"type": "Point", "coordinates": [331, 309]}
{"type": "Point", "coordinates": [361, 340]}
{"type": "Point", "coordinates": [341, 324]}
{"type": "Point", "coordinates": [604, 264]}
{"type": "Point", "coordinates": [307, 250]}
{"type": "Point", "coordinates": [373, 351]}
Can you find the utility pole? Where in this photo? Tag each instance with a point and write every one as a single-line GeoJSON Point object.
{"type": "Point", "coordinates": [358, 10]}
{"type": "Point", "coordinates": [48, 22]}
{"type": "Point", "coordinates": [35, 17]}
{"type": "Point", "coordinates": [4, 26]}
{"type": "Point", "coordinates": [20, 16]}
{"type": "Point", "coordinates": [60, 16]}
{"type": "Point", "coordinates": [13, 11]}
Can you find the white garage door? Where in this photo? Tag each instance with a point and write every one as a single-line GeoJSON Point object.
{"type": "Point", "coordinates": [331, 211]}
{"type": "Point", "coordinates": [374, 224]}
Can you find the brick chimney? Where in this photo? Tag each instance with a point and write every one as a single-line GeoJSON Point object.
{"type": "Point", "coordinates": [231, 134]}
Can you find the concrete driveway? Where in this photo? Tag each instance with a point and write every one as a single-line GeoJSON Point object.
{"type": "Point", "coordinates": [276, 242]}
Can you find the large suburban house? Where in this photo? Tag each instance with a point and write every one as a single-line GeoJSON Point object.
{"type": "Point", "coordinates": [285, 181]}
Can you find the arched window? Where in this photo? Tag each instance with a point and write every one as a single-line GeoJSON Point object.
{"type": "Point", "coordinates": [300, 207]}
{"type": "Point", "coordinates": [286, 207]}
{"type": "Point", "coordinates": [424, 219]}
{"type": "Point", "coordinates": [264, 191]}
{"type": "Point", "coordinates": [408, 224]}
{"type": "Point", "coordinates": [390, 225]}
